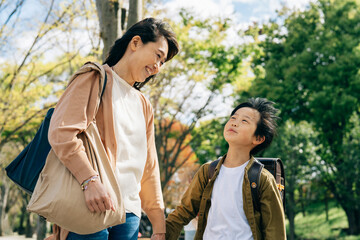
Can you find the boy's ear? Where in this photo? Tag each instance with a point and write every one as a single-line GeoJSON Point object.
{"type": "Point", "coordinates": [258, 140]}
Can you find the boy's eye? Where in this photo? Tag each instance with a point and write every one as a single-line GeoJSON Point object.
{"type": "Point", "coordinates": [244, 120]}
{"type": "Point", "coordinates": [233, 117]}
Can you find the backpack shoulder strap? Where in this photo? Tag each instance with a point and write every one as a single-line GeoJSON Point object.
{"type": "Point", "coordinates": [254, 179]}
{"type": "Point", "coordinates": [212, 167]}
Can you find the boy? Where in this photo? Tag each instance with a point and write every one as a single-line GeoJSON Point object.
{"type": "Point", "coordinates": [224, 203]}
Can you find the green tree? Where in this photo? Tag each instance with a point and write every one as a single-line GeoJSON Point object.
{"type": "Point", "coordinates": [210, 143]}
{"type": "Point", "coordinates": [311, 69]}
{"type": "Point", "coordinates": [188, 85]}
{"type": "Point", "coordinates": [112, 17]}
{"type": "Point", "coordinates": [33, 74]}
{"type": "Point", "coordinates": [296, 145]}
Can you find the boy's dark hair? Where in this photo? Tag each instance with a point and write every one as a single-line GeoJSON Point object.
{"type": "Point", "coordinates": [266, 126]}
{"type": "Point", "coordinates": [149, 30]}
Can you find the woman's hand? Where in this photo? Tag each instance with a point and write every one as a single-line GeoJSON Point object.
{"type": "Point", "coordinates": [158, 236]}
{"type": "Point", "coordinates": [97, 198]}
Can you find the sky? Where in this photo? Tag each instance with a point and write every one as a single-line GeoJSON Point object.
{"type": "Point", "coordinates": [242, 12]}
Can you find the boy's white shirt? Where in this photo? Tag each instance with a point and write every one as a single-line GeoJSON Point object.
{"type": "Point", "coordinates": [226, 219]}
{"type": "Point", "coordinates": [192, 225]}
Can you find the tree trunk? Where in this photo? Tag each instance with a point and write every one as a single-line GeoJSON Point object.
{"type": "Point", "coordinates": [135, 12]}
{"type": "Point", "coordinates": [342, 188]}
{"type": "Point", "coordinates": [290, 202]}
{"type": "Point", "coordinates": [302, 196]}
{"type": "Point", "coordinates": [4, 191]}
{"type": "Point", "coordinates": [109, 13]}
{"type": "Point", "coordinates": [28, 228]}
{"type": "Point", "coordinates": [326, 207]}
{"type": "Point", "coordinates": [291, 216]}
{"type": "Point", "coordinates": [1, 208]}
{"type": "Point", "coordinates": [23, 213]}
{"type": "Point", "coordinates": [41, 228]}
{"type": "Point", "coordinates": [353, 216]}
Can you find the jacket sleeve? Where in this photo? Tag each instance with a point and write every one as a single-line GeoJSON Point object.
{"type": "Point", "coordinates": [272, 212]}
{"type": "Point", "coordinates": [151, 194]}
{"type": "Point", "coordinates": [73, 112]}
{"type": "Point", "coordinates": [190, 205]}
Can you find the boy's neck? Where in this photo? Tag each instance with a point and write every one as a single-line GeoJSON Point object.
{"type": "Point", "coordinates": [236, 157]}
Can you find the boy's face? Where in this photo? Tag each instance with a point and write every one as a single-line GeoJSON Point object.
{"type": "Point", "coordinates": [241, 127]}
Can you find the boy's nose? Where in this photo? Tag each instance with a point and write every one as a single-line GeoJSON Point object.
{"type": "Point", "coordinates": [234, 124]}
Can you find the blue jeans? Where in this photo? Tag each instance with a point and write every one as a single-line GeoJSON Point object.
{"type": "Point", "coordinates": [126, 231]}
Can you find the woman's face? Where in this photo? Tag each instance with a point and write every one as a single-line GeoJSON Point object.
{"type": "Point", "coordinates": [147, 59]}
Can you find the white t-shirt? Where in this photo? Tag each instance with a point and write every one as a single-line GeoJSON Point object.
{"type": "Point", "coordinates": [226, 219]}
{"type": "Point", "coordinates": [130, 133]}
{"type": "Point", "coordinates": [192, 225]}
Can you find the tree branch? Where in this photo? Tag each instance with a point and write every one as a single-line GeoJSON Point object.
{"type": "Point", "coordinates": [12, 132]}
{"type": "Point", "coordinates": [17, 8]}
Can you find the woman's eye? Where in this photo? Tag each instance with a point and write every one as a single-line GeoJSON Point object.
{"type": "Point", "coordinates": [159, 57]}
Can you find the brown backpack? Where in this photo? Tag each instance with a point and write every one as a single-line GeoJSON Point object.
{"type": "Point", "coordinates": [273, 165]}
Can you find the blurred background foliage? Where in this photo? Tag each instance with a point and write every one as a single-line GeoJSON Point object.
{"type": "Point", "coordinates": [306, 61]}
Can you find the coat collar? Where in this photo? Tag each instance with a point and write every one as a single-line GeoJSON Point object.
{"type": "Point", "coordinates": [222, 159]}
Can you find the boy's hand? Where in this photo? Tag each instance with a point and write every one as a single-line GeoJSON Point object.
{"type": "Point", "coordinates": [158, 236]}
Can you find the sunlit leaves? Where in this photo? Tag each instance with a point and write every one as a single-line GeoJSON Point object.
{"type": "Point", "coordinates": [313, 75]}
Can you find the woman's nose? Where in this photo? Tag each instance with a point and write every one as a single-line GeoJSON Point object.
{"type": "Point", "coordinates": [156, 68]}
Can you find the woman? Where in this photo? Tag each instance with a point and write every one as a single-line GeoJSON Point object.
{"type": "Point", "coordinates": [125, 123]}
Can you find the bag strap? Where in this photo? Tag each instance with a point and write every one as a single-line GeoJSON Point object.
{"type": "Point", "coordinates": [254, 179]}
{"type": "Point", "coordinates": [102, 73]}
{"type": "Point", "coordinates": [101, 94]}
{"type": "Point", "coordinates": [91, 66]}
{"type": "Point", "coordinates": [103, 89]}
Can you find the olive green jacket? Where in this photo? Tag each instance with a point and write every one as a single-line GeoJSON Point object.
{"type": "Point", "coordinates": [269, 223]}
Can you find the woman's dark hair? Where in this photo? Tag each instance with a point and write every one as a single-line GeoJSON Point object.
{"type": "Point", "coordinates": [149, 30]}
{"type": "Point", "coordinates": [266, 126]}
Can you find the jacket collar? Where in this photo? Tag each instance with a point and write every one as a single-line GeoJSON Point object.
{"type": "Point", "coordinates": [222, 159]}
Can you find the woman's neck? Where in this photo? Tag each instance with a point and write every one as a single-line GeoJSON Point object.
{"type": "Point", "coordinates": [121, 69]}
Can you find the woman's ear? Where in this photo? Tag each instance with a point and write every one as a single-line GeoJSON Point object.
{"type": "Point", "coordinates": [258, 140]}
{"type": "Point", "coordinates": [135, 43]}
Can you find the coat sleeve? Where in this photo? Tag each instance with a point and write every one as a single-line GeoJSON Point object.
{"type": "Point", "coordinates": [272, 212]}
{"type": "Point", "coordinates": [151, 194]}
{"type": "Point", "coordinates": [73, 112]}
{"type": "Point", "coordinates": [190, 205]}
